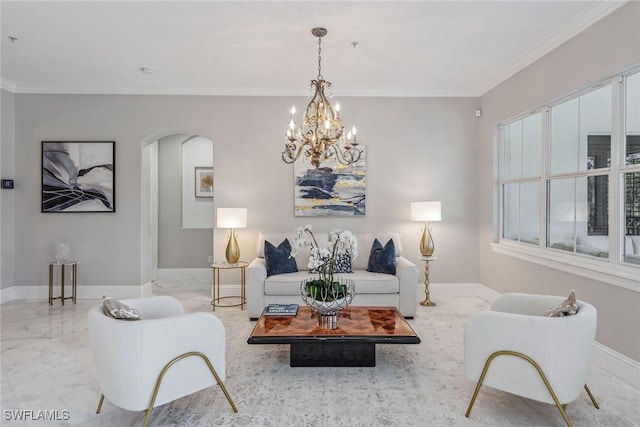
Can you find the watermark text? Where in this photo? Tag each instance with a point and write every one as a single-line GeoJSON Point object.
{"type": "Point", "coordinates": [36, 415]}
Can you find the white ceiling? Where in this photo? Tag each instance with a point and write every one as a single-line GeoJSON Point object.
{"type": "Point", "coordinates": [405, 48]}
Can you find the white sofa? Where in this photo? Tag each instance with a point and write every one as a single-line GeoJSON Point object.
{"type": "Point", "coordinates": [374, 289]}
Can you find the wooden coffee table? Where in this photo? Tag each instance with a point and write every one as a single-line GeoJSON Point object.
{"type": "Point", "coordinates": [352, 344]}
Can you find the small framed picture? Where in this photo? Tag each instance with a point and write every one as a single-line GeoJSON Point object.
{"type": "Point", "coordinates": [204, 181]}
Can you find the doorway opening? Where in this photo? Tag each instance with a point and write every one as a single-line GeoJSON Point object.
{"type": "Point", "coordinates": [176, 226]}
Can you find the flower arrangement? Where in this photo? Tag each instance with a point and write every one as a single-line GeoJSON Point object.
{"type": "Point", "coordinates": [323, 261]}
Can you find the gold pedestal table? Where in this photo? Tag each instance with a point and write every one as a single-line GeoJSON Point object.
{"type": "Point", "coordinates": [427, 301]}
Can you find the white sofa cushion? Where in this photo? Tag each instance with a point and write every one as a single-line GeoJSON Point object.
{"type": "Point", "coordinates": [365, 282]}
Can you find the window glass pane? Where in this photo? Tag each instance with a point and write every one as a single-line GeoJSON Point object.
{"type": "Point", "coordinates": [597, 205]}
{"type": "Point", "coordinates": [592, 216]}
{"type": "Point", "coordinates": [565, 136]}
{"type": "Point", "coordinates": [632, 217]}
{"type": "Point", "coordinates": [522, 141]}
{"type": "Point", "coordinates": [632, 104]}
{"type": "Point", "coordinates": [531, 142]}
{"type": "Point", "coordinates": [598, 151]}
{"type": "Point", "coordinates": [561, 214]}
{"type": "Point", "coordinates": [573, 123]}
{"type": "Point", "coordinates": [513, 150]}
{"type": "Point", "coordinates": [578, 215]}
{"type": "Point", "coordinates": [510, 211]}
{"type": "Point", "coordinates": [529, 212]}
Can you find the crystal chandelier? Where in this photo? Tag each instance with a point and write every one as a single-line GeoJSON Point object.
{"type": "Point", "coordinates": [321, 134]}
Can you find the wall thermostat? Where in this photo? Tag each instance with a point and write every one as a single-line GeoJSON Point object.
{"type": "Point", "coordinates": [7, 183]}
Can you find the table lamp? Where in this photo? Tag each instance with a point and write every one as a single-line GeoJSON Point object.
{"type": "Point", "coordinates": [232, 218]}
{"type": "Point", "coordinates": [426, 211]}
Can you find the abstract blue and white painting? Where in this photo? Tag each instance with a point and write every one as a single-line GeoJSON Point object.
{"type": "Point", "coordinates": [78, 176]}
{"type": "Point", "coordinates": [332, 189]}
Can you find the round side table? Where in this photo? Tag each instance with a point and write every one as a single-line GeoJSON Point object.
{"type": "Point", "coordinates": [427, 301]}
{"type": "Point", "coordinates": [215, 290]}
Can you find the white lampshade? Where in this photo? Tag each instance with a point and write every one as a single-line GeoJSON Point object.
{"type": "Point", "coordinates": [232, 218]}
{"type": "Point", "coordinates": [426, 211]}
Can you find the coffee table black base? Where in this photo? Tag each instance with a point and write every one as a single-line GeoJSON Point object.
{"type": "Point", "coordinates": [332, 354]}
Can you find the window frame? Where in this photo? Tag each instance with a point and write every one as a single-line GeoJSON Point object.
{"type": "Point", "coordinates": [612, 270]}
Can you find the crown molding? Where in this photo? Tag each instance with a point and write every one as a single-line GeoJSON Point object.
{"type": "Point", "coordinates": [571, 30]}
{"type": "Point", "coordinates": [7, 85]}
{"type": "Point", "coordinates": [347, 92]}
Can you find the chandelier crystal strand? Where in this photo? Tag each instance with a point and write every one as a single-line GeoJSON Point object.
{"type": "Point", "coordinates": [321, 135]}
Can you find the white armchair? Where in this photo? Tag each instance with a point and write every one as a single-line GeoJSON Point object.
{"type": "Point", "coordinates": [167, 355]}
{"type": "Point", "coordinates": [515, 348]}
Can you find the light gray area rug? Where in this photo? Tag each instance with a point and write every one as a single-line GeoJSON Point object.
{"type": "Point", "coordinates": [412, 385]}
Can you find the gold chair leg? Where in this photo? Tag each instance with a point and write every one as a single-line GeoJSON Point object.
{"type": "Point", "coordinates": [169, 365]}
{"type": "Point", "coordinates": [99, 408]}
{"type": "Point", "coordinates": [535, 365]}
{"type": "Point", "coordinates": [593, 399]}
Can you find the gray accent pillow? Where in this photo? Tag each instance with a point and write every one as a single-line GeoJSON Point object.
{"type": "Point", "coordinates": [118, 309]}
{"type": "Point", "coordinates": [279, 260]}
{"type": "Point", "coordinates": [567, 307]}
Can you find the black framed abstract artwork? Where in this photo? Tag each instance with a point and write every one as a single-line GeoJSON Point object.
{"type": "Point", "coordinates": [78, 176]}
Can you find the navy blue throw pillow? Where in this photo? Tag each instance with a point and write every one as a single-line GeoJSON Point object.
{"type": "Point", "coordinates": [382, 260]}
{"type": "Point", "coordinates": [278, 259]}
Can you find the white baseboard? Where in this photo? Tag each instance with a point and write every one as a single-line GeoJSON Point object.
{"type": "Point", "coordinates": [179, 274]}
{"type": "Point", "coordinates": [6, 294]}
{"type": "Point", "coordinates": [84, 292]}
{"type": "Point", "coordinates": [618, 365]}
{"type": "Point", "coordinates": [609, 360]}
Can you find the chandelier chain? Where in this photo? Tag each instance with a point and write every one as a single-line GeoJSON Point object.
{"type": "Point", "coordinates": [320, 59]}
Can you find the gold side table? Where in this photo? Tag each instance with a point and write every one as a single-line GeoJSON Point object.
{"type": "Point", "coordinates": [427, 301]}
{"type": "Point", "coordinates": [215, 290]}
{"type": "Point", "coordinates": [74, 280]}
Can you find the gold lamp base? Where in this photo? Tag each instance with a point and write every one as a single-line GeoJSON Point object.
{"type": "Point", "coordinates": [233, 250]}
{"type": "Point", "coordinates": [426, 242]}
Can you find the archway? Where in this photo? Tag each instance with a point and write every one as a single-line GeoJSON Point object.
{"type": "Point", "coordinates": [150, 232]}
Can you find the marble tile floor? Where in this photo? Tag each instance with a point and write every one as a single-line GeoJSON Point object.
{"type": "Point", "coordinates": [47, 366]}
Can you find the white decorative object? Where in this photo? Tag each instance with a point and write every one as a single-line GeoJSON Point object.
{"type": "Point", "coordinates": [62, 252]}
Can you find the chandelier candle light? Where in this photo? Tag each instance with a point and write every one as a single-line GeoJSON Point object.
{"type": "Point", "coordinates": [426, 211]}
{"type": "Point", "coordinates": [321, 135]}
{"type": "Point", "coordinates": [232, 218]}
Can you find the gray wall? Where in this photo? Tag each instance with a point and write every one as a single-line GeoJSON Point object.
{"type": "Point", "coordinates": [177, 247]}
{"type": "Point", "coordinates": [601, 50]}
{"type": "Point", "coordinates": [7, 197]}
{"type": "Point", "coordinates": [417, 149]}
